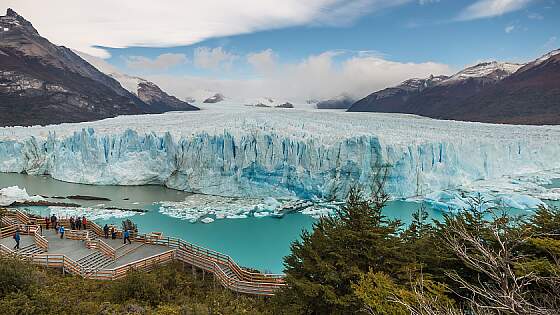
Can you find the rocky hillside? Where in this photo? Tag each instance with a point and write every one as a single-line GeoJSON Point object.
{"type": "Point", "coordinates": [488, 92]}
{"type": "Point", "coordinates": [41, 83]}
{"type": "Point", "coordinates": [147, 91]}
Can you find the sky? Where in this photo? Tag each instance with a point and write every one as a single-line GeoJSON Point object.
{"type": "Point", "coordinates": [295, 49]}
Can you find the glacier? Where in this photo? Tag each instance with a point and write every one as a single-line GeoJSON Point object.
{"type": "Point", "coordinates": [279, 152]}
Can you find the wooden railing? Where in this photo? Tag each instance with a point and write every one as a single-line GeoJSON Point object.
{"type": "Point", "coordinates": [22, 217]}
{"type": "Point", "coordinates": [102, 247]}
{"type": "Point", "coordinates": [243, 281]}
{"type": "Point", "coordinates": [145, 264]}
{"type": "Point", "coordinates": [40, 241]}
{"type": "Point", "coordinates": [57, 261]}
{"type": "Point", "coordinates": [213, 256]}
{"type": "Point", "coordinates": [8, 231]}
{"type": "Point", "coordinates": [4, 250]}
{"type": "Point", "coordinates": [77, 235]}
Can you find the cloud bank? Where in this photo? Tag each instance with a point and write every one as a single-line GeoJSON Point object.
{"type": "Point", "coordinates": [316, 77]}
{"type": "Point", "coordinates": [83, 25]}
{"type": "Point", "coordinates": [161, 62]}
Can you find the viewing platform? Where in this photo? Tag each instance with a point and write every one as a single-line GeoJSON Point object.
{"type": "Point", "coordinates": [87, 253]}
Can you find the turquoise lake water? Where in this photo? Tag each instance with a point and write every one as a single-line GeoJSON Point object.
{"type": "Point", "coordinates": [260, 243]}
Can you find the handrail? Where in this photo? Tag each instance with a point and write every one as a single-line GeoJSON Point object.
{"type": "Point", "coordinates": [41, 241]}
{"type": "Point", "coordinates": [7, 231]}
{"type": "Point", "coordinates": [22, 217]}
{"type": "Point", "coordinates": [4, 250]}
{"type": "Point", "coordinates": [106, 250]}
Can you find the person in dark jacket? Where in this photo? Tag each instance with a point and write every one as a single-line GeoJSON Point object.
{"type": "Point", "coordinates": [17, 238]}
{"type": "Point", "coordinates": [53, 221]}
{"type": "Point", "coordinates": [113, 233]}
{"type": "Point", "coordinates": [106, 231]}
{"type": "Point", "coordinates": [47, 222]}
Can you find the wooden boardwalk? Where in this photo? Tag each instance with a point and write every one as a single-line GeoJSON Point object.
{"type": "Point", "coordinates": [88, 254]}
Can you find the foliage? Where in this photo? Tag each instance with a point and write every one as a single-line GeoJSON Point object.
{"type": "Point", "coordinates": [477, 261]}
{"type": "Point", "coordinates": [171, 289]}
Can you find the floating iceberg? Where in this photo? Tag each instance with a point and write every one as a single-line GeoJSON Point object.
{"type": "Point", "coordinates": [12, 194]}
{"type": "Point", "coordinates": [285, 154]}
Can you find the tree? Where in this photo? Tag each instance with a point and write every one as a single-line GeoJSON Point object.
{"type": "Point", "coordinates": [324, 265]}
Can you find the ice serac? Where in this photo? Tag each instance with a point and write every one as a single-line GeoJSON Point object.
{"type": "Point", "coordinates": [308, 155]}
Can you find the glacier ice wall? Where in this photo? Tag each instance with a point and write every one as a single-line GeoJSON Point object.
{"type": "Point", "coordinates": [268, 162]}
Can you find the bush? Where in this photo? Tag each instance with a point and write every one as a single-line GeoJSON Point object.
{"type": "Point", "coordinates": [16, 277]}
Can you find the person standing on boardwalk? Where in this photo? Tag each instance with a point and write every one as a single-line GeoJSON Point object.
{"type": "Point", "coordinates": [84, 222]}
{"type": "Point", "coordinates": [113, 233]}
{"type": "Point", "coordinates": [126, 237]}
{"type": "Point", "coordinates": [47, 222]}
{"type": "Point", "coordinates": [53, 221]}
{"type": "Point", "coordinates": [78, 223]}
{"type": "Point", "coordinates": [106, 231]}
{"type": "Point", "coordinates": [72, 223]}
{"type": "Point", "coordinates": [61, 230]}
{"type": "Point", "coordinates": [17, 238]}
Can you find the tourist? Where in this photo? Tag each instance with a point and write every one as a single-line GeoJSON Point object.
{"type": "Point", "coordinates": [17, 238]}
{"type": "Point", "coordinates": [61, 230]}
{"type": "Point", "coordinates": [47, 222]}
{"type": "Point", "coordinates": [113, 233]}
{"type": "Point", "coordinates": [106, 231]}
{"type": "Point", "coordinates": [126, 237]}
{"type": "Point", "coordinates": [84, 222]}
{"type": "Point", "coordinates": [53, 221]}
{"type": "Point", "coordinates": [72, 223]}
{"type": "Point", "coordinates": [78, 223]}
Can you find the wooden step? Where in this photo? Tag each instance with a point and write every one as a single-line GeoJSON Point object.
{"type": "Point", "coordinates": [29, 250]}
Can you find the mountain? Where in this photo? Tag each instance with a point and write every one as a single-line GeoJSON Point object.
{"type": "Point", "coordinates": [488, 92]}
{"type": "Point", "coordinates": [216, 98]}
{"type": "Point", "coordinates": [145, 90]}
{"type": "Point", "coordinates": [343, 101]}
{"type": "Point", "coordinates": [41, 83]}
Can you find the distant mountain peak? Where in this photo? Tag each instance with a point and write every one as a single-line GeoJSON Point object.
{"type": "Point", "coordinates": [13, 20]}
{"type": "Point", "coordinates": [492, 70]}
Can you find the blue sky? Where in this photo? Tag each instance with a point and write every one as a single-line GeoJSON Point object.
{"type": "Point", "coordinates": [409, 33]}
{"type": "Point", "coordinates": [311, 48]}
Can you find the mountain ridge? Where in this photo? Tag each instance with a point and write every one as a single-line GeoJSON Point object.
{"type": "Point", "coordinates": [492, 92]}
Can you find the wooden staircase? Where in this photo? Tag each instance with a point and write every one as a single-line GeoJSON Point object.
{"type": "Point", "coordinates": [94, 262]}
{"type": "Point", "coordinates": [29, 250]}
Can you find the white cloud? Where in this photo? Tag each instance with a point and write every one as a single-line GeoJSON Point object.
{"type": "Point", "coordinates": [161, 62]}
{"type": "Point", "coordinates": [535, 16]}
{"type": "Point", "coordinates": [213, 58]}
{"type": "Point", "coordinates": [82, 25]}
{"type": "Point", "coordinates": [263, 62]}
{"type": "Point", "coordinates": [509, 28]}
{"type": "Point", "coordinates": [316, 77]}
{"type": "Point", "coordinates": [490, 8]}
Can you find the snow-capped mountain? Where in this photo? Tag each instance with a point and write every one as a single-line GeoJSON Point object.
{"type": "Point", "coordinates": [145, 90]}
{"type": "Point", "coordinates": [41, 83]}
{"type": "Point", "coordinates": [493, 71]}
{"type": "Point", "coordinates": [497, 92]}
{"type": "Point", "coordinates": [216, 98]}
{"type": "Point", "coordinates": [388, 99]}
{"type": "Point", "coordinates": [343, 101]}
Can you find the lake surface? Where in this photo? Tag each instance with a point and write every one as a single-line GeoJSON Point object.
{"type": "Point", "coordinates": [260, 243]}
